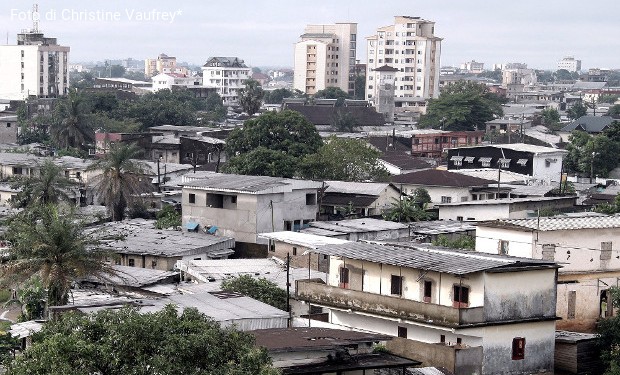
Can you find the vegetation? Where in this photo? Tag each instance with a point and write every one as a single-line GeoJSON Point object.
{"type": "Point", "coordinates": [614, 111]}
{"type": "Point", "coordinates": [577, 110]}
{"type": "Point", "coordinates": [609, 339]}
{"type": "Point", "coordinates": [609, 208]}
{"type": "Point", "coordinates": [343, 121]}
{"type": "Point", "coordinates": [598, 154]}
{"type": "Point", "coordinates": [608, 98]}
{"type": "Point", "coordinates": [461, 242]}
{"type": "Point", "coordinates": [121, 179]}
{"type": "Point", "coordinates": [551, 118]}
{"type": "Point", "coordinates": [251, 97]}
{"type": "Point", "coordinates": [406, 210]}
{"type": "Point", "coordinates": [168, 217]}
{"type": "Point", "coordinates": [50, 186]}
{"type": "Point", "coordinates": [360, 88]}
{"type": "Point", "coordinates": [344, 159]}
{"type": "Point", "coordinates": [421, 196]}
{"type": "Point", "coordinates": [260, 289]}
{"type": "Point", "coordinates": [72, 129]}
{"type": "Point", "coordinates": [51, 243]}
{"type": "Point", "coordinates": [271, 144]}
{"type": "Point", "coordinates": [462, 106]}
{"type": "Point", "coordinates": [125, 341]}
{"type": "Point", "coordinates": [278, 95]}
{"type": "Point", "coordinates": [333, 93]}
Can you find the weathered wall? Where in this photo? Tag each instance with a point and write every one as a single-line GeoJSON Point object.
{"type": "Point", "coordinates": [519, 242]}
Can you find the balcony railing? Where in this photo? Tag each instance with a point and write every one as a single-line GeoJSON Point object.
{"type": "Point", "coordinates": [395, 307]}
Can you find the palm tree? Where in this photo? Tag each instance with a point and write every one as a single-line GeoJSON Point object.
{"type": "Point", "coordinates": [72, 130]}
{"type": "Point", "coordinates": [50, 186]}
{"type": "Point", "coordinates": [50, 243]}
{"type": "Point", "coordinates": [122, 178]}
{"type": "Point", "coordinates": [406, 209]}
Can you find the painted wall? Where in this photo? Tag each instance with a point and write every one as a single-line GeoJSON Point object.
{"type": "Point", "coordinates": [519, 242]}
{"type": "Point", "coordinates": [475, 212]}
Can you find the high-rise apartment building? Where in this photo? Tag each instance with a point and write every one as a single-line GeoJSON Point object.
{"type": "Point", "coordinates": [411, 47]}
{"type": "Point", "coordinates": [227, 75]}
{"type": "Point", "coordinates": [37, 66]}
{"type": "Point", "coordinates": [569, 63]}
{"type": "Point", "coordinates": [325, 57]}
{"type": "Point", "coordinates": [162, 64]}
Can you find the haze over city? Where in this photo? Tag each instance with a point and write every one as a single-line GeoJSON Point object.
{"type": "Point", "coordinates": [538, 33]}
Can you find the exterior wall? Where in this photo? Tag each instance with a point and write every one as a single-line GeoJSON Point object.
{"type": "Point", "coordinates": [548, 166]}
{"type": "Point", "coordinates": [227, 81]}
{"type": "Point", "coordinates": [313, 261]}
{"type": "Point", "coordinates": [8, 129]}
{"type": "Point", "coordinates": [274, 209]}
{"type": "Point", "coordinates": [519, 242]}
{"type": "Point", "coordinates": [475, 212]}
{"type": "Point", "coordinates": [436, 193]}
{"type": "Point", "coordinates": [433, 145]}
{"type": "Point", "coordinates": [149, 261]}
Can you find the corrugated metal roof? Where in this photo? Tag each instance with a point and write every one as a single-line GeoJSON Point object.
{"type": "Point", "coordinates": [247, 184]}
{"type": "Point", "coordinates": [430, 258]}
{"type": "Point", "coordinates": [558, 223]}
{"type": "Point", "coordinates": [302, 239]}
{"type": "Point", "coordinates": [366, 188]}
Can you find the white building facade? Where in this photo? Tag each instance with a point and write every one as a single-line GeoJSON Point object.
{"type": "Point", "coordinates": [37, 66]}
{"type": "Point", "coordinates": [325, 57]}
{"type": "Point", "coordinates": [227, 75]}
{"type": "Point", "coordinates": [411, 47]}
{"type": "Point", "coordinates": [569, 63]}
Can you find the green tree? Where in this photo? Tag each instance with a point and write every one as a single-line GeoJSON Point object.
{"type": "Point", "coordinates": [115, 342]}
{"type": "Point", "coordinates": [421, 196]}
{"type": "Point", "coordinates": [609, 336]}
{"type": "Point", "coordinates": [577, 142]}
{"type": "Point", "coordinates": [565, 75]}
{"type": "Point", "coordinates": [614, 111]}
{"type": "Point", "coordinates": [287, 135]}
{"type": "Point", "coordinates": [278, 95]}
{"type": "Point", "coordinates": [406, 210]}
{"type": "Point", "coordinates": [608, 98]}
{"type": "Point", "coordinates": [262, 162]}
{"type": "Point", "coordinates": [492, 74]}
{"type": "Point", "coordinates": [48, 186]}
{"type": "Point", "coordinates": [32, 296]}
{"type": "Point", "coordinates": [344, 159]}
{"type": "Point", "coordinates": [461, 242]}
{"type": "Point", "coordinates": [360, 88]}
{"type": "Point", "coordinates": [163, 107]}
{"type": "Point", "coordinates": [50, 242]}
{"type": "Point", "coordinates": [550, 116]}
{"type": "Point", "coordinates": [260, 289]}
{"type": "Point", "coordinates": [600, 153]}
{"type": "Point", "coordinates": [71, 128]}
{"type": "Point", "coordinates": [333, 93]}
{"type": "Point", "coordinates": [168, 217]}
{"type": "Point", "coordinates": [251, 97]}
{"type": "Point", "coordinates": [343, 121]}
{"type": "Point", "coordinates": [577, 110]}
{"type": "Point", "coordinates": [215, 110]}
{"type": "Point", "coordinates": [117, 71]}
{"type": "Point", "coordinates": [122, 178]}
{"type": "Point", "coordinates": [462, 106]}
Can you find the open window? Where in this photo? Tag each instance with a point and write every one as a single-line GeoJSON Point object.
{"type": "Point", "coordinates": [461, 296]}
{"type": "Point", "coordinates": [428, 288]}
{"type": "Point", "coordinates": [397, 285]}
{"type": "Point", "coordinates": [518, 348]}
{"type": "Point", "coordinates": [344, 278]}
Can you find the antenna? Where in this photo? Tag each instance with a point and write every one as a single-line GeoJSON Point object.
{"type": "Point", "coordinates": [35, 18]}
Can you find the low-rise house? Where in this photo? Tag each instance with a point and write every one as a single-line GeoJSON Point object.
{"type": "Point", "coordinates": [583, 245]}
{"type": "Point", "coordinates": [589, 124]}
{"type": "Point", "coordinates": [143, 245]}
{"type": "Point", "coordinates": [327, 117]}
{"type": "Point", "coordinates": [536, 161]}
{"type": "Point", "coordinates": [167, 81]}
{"type": "Point", "coordinates": [9, 129]}
{"type": "Point", "coordinates": [343, 199]}
{"type": "Point", "coordinates": [365, 229]}
{"type": "Point", "coordinates": [328, 351]}
{"type": "Point", "coordinates": [507, 208]}
{"type": "Point", "coordinates": [398, 163]}
{"type": "Point", "coordinates": [446, 186]}
{"type": "Point", "coordinates": [244, 206]}
{"type": "Point", "coordinates": [434, 143]}
{"type": "Point", "coordinates": [457, 309]}
{"type": "Point", "coordinates": [430, 231]}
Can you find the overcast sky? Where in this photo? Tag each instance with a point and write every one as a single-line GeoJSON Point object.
{"type": "Point", "coordinates": [262, 32]}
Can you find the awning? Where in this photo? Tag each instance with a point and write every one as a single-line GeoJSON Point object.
{"type": "Point", "coordinates": [457, 158]}
{"type": "Point", "coordinates": [212, 229]}
{"type": "Point", "coordinates": [469, 159]}
{"type": "Point", "coordinates": [522, 162]}
{"type": "Point", "coordinates": [191, 225]}
{"type": "Point", "coordinates": [484, 160]}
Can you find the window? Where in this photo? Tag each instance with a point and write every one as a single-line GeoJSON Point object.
{"type": "Point", "coordinates": [215, 200]}
{"type": "Point", "coordinates": [445, 199]}
{"type": "Point", "coordinates": [17, 170]}
{"type": "Point", "coordinates": [428, 288]}
{"type": "Point", "coordinates": [192, 198]}
{"type": "Point", "coordinates": [397, 285]}
{"type": "Point", "coordinates": [518, 348]}
{"type": "Point", "coordinates": [503, 247]}
{"type": "Point", "coordinates": [310, 199]}
{"type": "Point", "coordinates": [344, 277]}
{"type": "Point", "coordinates": [131, 262]}
{"type": "Point", "coordinates": [233, 199]}
{"type": "Point", "coordinates": [606, 250]}
{"type": "Point", "coordinates": [442, 338]}
{"type": "Point", "coordinates": [294, 250]}
{"type": "Point", "coordinates": [459, 218]}
{"type": "Point", "coordinates": [461, 296]}
{"type": "Point", "coordinates": [402, 332]}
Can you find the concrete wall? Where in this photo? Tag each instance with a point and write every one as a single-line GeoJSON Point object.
{"type": "Point", "coordinates": [551, 170]}
{"type": "Point", "coordinates": [477, 212]}
{"type": "Point", "coordinates": [519, 242]}
{"type": "Point", "coordinates": [8, 130]}
{"type": "Point", "coordinates": [436, 192]}
{"type": "Point", "coordinates": [317, 262]}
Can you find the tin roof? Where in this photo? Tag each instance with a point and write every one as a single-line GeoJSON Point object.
{"type": "Point", "coordinates": [557, 223]}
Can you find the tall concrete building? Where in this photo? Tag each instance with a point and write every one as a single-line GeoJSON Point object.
{"type": "Point", "coordinates": [227, 75]}
{"type": "Point", "coordinates": [162, 64]}
{"type": "Point", "coordinates": [37, 66]}
{"type": "Point", "coordinates": [569, 63]}
{"type": "Point", "coordinates": [325, 57]}
{"type": "Point", "coordinates": [411, 47]}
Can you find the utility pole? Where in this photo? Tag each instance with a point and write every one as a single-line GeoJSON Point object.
{"type": "Point", "coordinates": [158, 176]}
{"type": "Point", "coordinates": [288, 287]}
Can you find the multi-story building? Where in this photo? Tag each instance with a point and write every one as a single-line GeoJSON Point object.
{"type": "Point", "coordinates": [569, 63]}
{"type": "Point", "coordinates": [36, 67]}
{"type": "Point", "coordinates": [227, 75]}
{"type": "Point", "coordinates": [162, 64]}
{"type": "Point", "coordinates": [470, 312]}
{"type": "Point", "coordinates": [411, 47]}
{"type": "Point", "coordinates": [325, 57]}
{"type": "Point", "coordinates": [473, 67]}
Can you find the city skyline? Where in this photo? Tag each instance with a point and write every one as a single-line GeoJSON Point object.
{"type": "Point", "coordinates": [263, 33]}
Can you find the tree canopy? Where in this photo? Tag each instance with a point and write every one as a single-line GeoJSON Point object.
{"type": "Point", "coordinates": [332, 93]}
{"type": "Point", "coordinates": [278, 95]}
{"type": "Point", "coordinates": [260, 289]}
{"type": "Point", "coordinates": [49, 186]}
{"type": "Point", "coordinates": [577, 110]}
{"type": "Point", "coordinates": [251, 97]}
{"type": "Point", "coordinates": [462, 106]}
{"type": "Point", "coordinates": [598, 154]}
{"type": "Point", "coordinates": [344, 159]}
{"type": "Point", "coordinates": [115, 342]}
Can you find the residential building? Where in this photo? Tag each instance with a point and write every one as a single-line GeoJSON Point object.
{"type": "Point", "coordinates": [445, 186]}
{"type": "Point", "coordinates": [125, 84]}
{"type": "Point", "coordinates": [411, 47]}
{"type": "Point", "coordinates": [326, 117]}
{"type": "Point", "coordinates": [430, 231]}
{"type": "Point", "coordinates": [36, 67]}
{"type": "Point", "coordinates": [325, 351]}
{"type": "Point", "coordinates": [588, 124]}
{"type": "Point", "coordinates": [166, 81]}
{"type": "Point", "coordinates": [400, 163]}
{"type": "Point", "coordinates": [586, 247]}
{"type": "Point", "coordinates": [507, 208]}
{"type": "Point", "coordinates": [434, 143]}
{"type": "Point", "coordinates": [569, 63]}
{"type": "Point", "coordinates": [343, 200]}
{"type": "Point", "coordinates": [244, 206]}
{"type": "Point", "coordinates": [325, 57]}
{"type": "Point", "coordinates": [162, 64]}
{"type": "Point", "coordinates": [473, 67]}
{"type": "Point", "coordinates": [540, 162]}
{"type": "Point", "coordinates": [9, 129]}
{"type": "Point", "coordinates": [143, 245]}
{"type": "Point", "coordinates": [441, 304]}
{"type": "Point", "coordinates": [227, 75]}
{"type": "Point", "coordinates": [386, 81]}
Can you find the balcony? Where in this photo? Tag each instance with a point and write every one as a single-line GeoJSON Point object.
{"type": "Point", "coordinates": [394, 307]}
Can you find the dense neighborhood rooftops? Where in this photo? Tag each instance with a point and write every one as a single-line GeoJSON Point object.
{"type": "Point", "coordinates": [342, 227]}
{"type": "Point", "coordinates": [388, 145]}
{"type": "Point", "coordinates": [326, 115]}
{"type": "Point", "coordinates": [431, 258]}
{"type": "Point", "coordinates": [404, 161]}
{"type": "Point", "coordinates": [313, 338]}
{"type": "Point", "coordinates": [366, 188]}
{"type": "Point", "coordinates": [556, 223]}
{"type": "Point", "coordinates": [590, 124]}
{"type": "Point", "coordinates": [441, 227]}
{"type": "Point", "coordinates": [247, 184]}
{"type": "Point", "coordinates": [302, 239]}
{"type": "Point", "coordinates": [141, 237]}
{"type": "Point", "coordinates": [436, 177]}
{"type": "Point", "coordinates": [508, 201]}
{"type": "Point", "coordinates": [134, 276]}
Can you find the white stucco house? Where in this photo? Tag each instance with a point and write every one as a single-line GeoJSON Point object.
{"type": "Point", "coordinates": [586, 248]}
{"type": "Point", "coordinates": [469, 312]}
